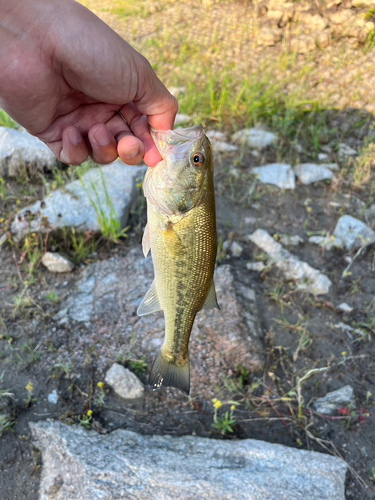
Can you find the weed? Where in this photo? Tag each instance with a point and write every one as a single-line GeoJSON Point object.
{"type": "Point", "coordinates": [6, 424]}
{"type": "Point", "coordinates": [6, 121]}
{"type": "Point", "coordinates": [86, 420]}
{"type": "Point", "coordinates": [30, 399]}
{"type": "Point", "coordinates": [108, 221]}
{"type": "Point", "coordinates": [363, 165]}
{"type": "Point", "coordinates": [3, 192]}
{"type": "Point", "coordinates": [82, 246]}
{"type": "Point", "coordinates": [370, 42]}
{"type": "Point", "coordinates": [100, 397]}
{"type": "Point", "coordinates": [52, 297]}
{"type": "Point", "coordinates": [5, 393]}
{"type": "Point", "coordinates": [137, 366]}
{"type": "Point", "coordinates": [227, 422]}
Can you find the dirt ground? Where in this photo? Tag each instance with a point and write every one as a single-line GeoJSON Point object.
{"type": "Point", "coordinates": [301, 332]}
{"type": "Point", "coordinates": [31, 345]}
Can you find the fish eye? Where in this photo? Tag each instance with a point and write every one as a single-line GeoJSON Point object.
{"type": "Point", "coordinates": [198, 159]}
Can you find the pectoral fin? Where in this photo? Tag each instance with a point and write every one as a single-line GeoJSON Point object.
{"type": "Point", "coordinates": [146, 241]}
{"type": "Point", "coordinates": [211, 299]}
{"type": "Point", "coordinates": [150, 302]}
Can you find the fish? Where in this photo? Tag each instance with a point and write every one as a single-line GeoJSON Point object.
{"type": "Point", "coordinates": [181, 234]}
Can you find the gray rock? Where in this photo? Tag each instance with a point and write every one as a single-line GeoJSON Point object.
{"type": "Point", "coordinates": [345, 151]}
{"type": "Point", "coordinates": [56, 263]}
{"type": "Point", "coordinates": [20, 150]}
{"type": "Point", "coordinates": [323, 156]}
{"type": "Point", "coordinates": [181, 119]}
{"type": "Point", "coordinates": [177, 91]}
{"type": "Point", "coordinates": [254, 138]}
{"type": "Point", "coordinates": [330, 403]}
{"type": "Point", "coordinates": [95, 295]}
{"type": "Point", "coordinates": [124, 382]}
{"type": "Point", "coordinates": [233, 247]}
{"type": "Point", "coordinates": [77, 205]}
{"type": "Point", "coordinates": [53, 397]}
{"type": "Point", "coordinates": [107, 296]}
{"type": "Point", "coordinates": [326, 242]}
{"type": "Point", "coordinates": [126, 465]}
{"type": "Point", "coordinates": [309, 173]}
{"type": "Point", "coordinates": [278, 174]}
{"type": "Point", "coordinates": [353, 232]}
{"type": "Point", "coordinates": [308, 278]}
{"type": "Point", "coordinates": [255, 266]}
{"type": "Point", "coordinates": [223, 147]}
{"type": "Point", "coordinates": [345, 307]}
{"type": "Point", "coordinates": [291, 241]}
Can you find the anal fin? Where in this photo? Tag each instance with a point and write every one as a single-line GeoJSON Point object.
{"type": "Point", "coordinates": [150, 302]}
{"type": "Point", "coordinates": [211, 299]}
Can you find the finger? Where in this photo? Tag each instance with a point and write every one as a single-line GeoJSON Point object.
{"type": "Point", "coordinates": [153, 99]}
{"type": "Point", "coordinates": [139, 126]}
{"type": "Point", "coordinates": [72, 149]}
{"type": "Point", "coordinates": [103, 144]}
{"type": "Point", "coordinates": [130, 149]}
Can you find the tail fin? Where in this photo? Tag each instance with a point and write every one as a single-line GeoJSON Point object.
{"type": "Point", "coordinates": [165, 374]}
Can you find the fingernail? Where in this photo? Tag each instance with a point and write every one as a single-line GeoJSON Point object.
{"type": "Point", "coordinates": [74, 136]}
{"type": "Point", "coordinates": [133, 152]}
{"type": "Point", "coordinates": [102, 136]}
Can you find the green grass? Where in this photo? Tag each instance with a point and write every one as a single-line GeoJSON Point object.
{"type": "Point", "coordinates": [6, 121]}
{"type": "Point", "coordinates": [110, 226]}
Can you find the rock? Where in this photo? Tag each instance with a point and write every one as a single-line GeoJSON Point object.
{"type": "Point", "coordinates": [322, 156]}
{"type": "Point", "coordinates": [181, 119]}
{"type": "Point", "coordinates": [126, 465]}
{"type": "Point", "coordinates": [3, 239]}
{"type": "Point", "coordinates": [267, 37]}
{"type": "Point", "coordinates": [56, 263]}
{"type": "Point", "coordinates": [345, 307]}
{"type": "Point", "coordinates": [291, 241]}
{"type": "Point", "coordinates": [53, 397]}
{"type": "Point", "coordinates": [278, 174]}
{"type": "Point", "coordinates": [308, 278]}
{"type": "Point", "coordinates": [326, 242]}
{"type": "Point", "coordinates": [103, 304]}
{"type": "Point", "coordinates": [309, 173]}
{"type": "Point", "coordinates": [94, 296]}
{"type": "Point", "coordinates": [20, 150]}
{"type": "Point", "coordinates": [302, 44]}
{"type": "Point", "coordinates": [314, 22]}
{"type": "Point", "coordinates": [344, 151]}
{"type": "Point", "coordinates": [353, 232]}
{"type": "Point", "coordinates": [233, 247]}
{"type": "Point", "coordinates": [77, 204]}
{"type": "Point", "coordinates": [255, 266]}
{"type": "Point", "coordinates": [331, 402]}
{"type": "Point", "coordinates": [124, 382]}
{"type": "Point", "coordinates": [254, 138]}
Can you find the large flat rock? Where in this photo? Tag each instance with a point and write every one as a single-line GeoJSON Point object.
{"type": "Point", "coordinates": [20, 150]}
{"type": "Point", "coordinates": [105, 301]}
{"type": "Point", "coordinates": [83, 202]}
{"type": "Point", "coordinates": [125, 465]}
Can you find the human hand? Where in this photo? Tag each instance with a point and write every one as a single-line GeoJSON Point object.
{"type": "Point", "coordinates": [65, 74]}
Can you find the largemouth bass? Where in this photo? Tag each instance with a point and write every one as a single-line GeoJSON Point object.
{"type": "Point", "coordinates": [181, 233]}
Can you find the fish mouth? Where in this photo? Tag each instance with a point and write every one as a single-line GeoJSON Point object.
{"type": "Point", "coordinates": [176, 137]}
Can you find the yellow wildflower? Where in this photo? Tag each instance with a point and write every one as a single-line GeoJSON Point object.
{"type": "Point", "coordinates": [233, 407]}
{"type": "Point", "coordinates": [343, 353]}
{"type": "Point", "coordinates": [100, 385]}
{"type": "Point", "coordinates": [217, 404]}
{"type": "Point", "coordinates": [18, 202]}
{"type": "Point", "coordinates": [30, 387]}
{"type": "Point", "coordinates": [89, 413]}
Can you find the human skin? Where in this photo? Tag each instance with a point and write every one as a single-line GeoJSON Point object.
{"type": "Point", "coordinates": [65, 74]}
